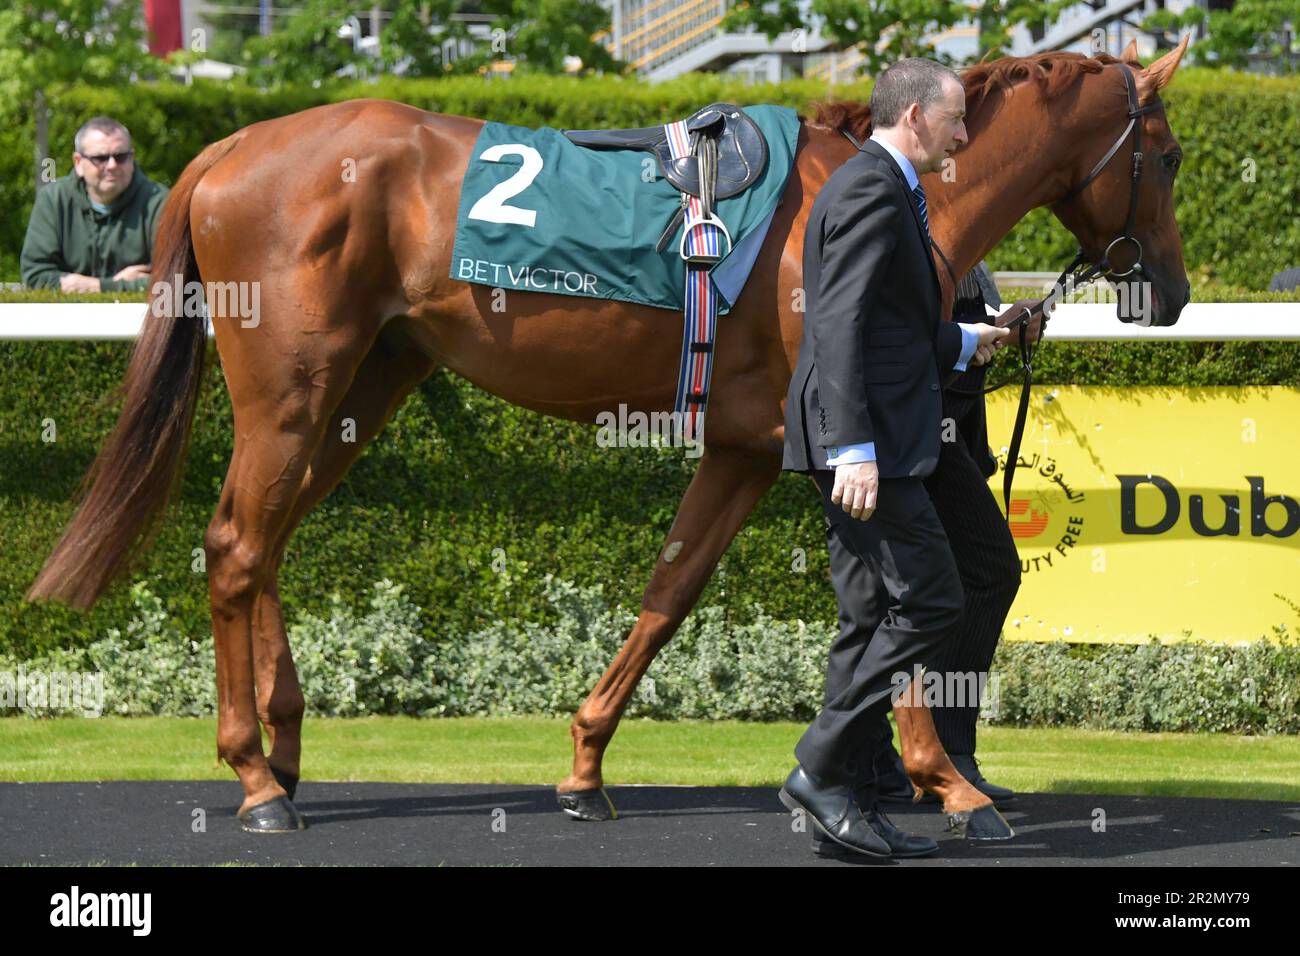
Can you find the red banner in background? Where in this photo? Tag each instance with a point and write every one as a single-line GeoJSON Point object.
{"type": "Point", "coordinates": [163, 20]}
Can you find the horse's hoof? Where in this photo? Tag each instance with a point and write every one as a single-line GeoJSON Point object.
{"type": "Point", "coordinates": [287, 780]}
{"type": "Point", "coordinates": [273, 816]}
{"type": "Point", "coordinates": [982, 823]}
{"type": "Point", "coordinates": [587, 804]}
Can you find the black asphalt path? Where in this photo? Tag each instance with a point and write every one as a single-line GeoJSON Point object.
{"type": "Point", "coordinates": [155, 822]}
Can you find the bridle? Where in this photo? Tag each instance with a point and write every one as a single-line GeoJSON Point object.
{"type": "Point", "coordinates": [1103, 267]}
{"type": "Point", "coordinates": [1073, 275]}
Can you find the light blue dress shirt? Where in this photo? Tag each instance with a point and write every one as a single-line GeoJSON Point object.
{"type": "Point", "coordinates": [852, 454]}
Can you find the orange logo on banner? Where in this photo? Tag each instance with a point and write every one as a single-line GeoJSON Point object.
{"type": "Point", "coordinates": [1026, 527]}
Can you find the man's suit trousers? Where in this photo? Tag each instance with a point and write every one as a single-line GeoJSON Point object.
{"type": "Point", "coordinates": [910, 603]}
{"type": "Point", "coordinates": [989, 567]}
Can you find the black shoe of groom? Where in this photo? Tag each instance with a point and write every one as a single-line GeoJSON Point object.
{"type": "Point", "coordinates": [833, 812]}
{"type": "Point", "coordinates": [902, 845]}
{"type": "Point", "coordinates": [969, 768]}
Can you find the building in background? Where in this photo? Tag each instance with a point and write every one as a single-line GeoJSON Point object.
{"type": "Point", "coordinates": [663, 39]}
{"type": "Point", "coordinates": [666, 38]}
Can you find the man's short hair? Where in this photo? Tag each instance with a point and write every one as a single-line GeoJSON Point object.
{"type": "Point", "coordinates": [103, 124]}
{"type": "Point", "coordinates": [913, 80]}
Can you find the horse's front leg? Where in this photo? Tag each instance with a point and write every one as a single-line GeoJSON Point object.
{"type": "Point", "coordinates": [726, 487]}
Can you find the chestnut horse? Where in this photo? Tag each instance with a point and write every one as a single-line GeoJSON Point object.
{"type": "Point", "coordinates": [357, 309]}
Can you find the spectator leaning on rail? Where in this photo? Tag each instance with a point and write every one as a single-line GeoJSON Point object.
{"type": "Point", "coordinates": [93, 229]}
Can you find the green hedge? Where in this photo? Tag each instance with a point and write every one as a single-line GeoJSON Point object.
{"type": "Point", "coordinates": [431, 499]}
{"type": "Point", "coordinates": [457, 474]}
{"type": "Point", "coordinates": [1235, 231]}
{"type": "Point", "coordinates": [377, 662]}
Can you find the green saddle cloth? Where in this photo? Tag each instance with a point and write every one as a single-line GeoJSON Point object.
{"type": "Point", "coordinates": [540, 213]}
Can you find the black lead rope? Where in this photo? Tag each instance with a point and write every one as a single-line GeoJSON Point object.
{"type": "Point", "coordinates": [1027, 351]}
{"type": "Point", "coordinates": [1022, 411]}
{"type": "Point", "coordinates": [1075, 279]}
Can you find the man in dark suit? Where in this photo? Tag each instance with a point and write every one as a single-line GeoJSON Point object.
{"type": "Point", "coordinates": [865, 402]}
{"type": "Point", "coordinates": [987, 562]}
{"type": "Point", "coordinates": [986, 556]}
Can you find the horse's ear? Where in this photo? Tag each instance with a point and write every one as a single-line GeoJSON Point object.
{"type": "Point", "coordinates": [1158, 74]}
{"type": "Point", "coordinates": [1130, 54]}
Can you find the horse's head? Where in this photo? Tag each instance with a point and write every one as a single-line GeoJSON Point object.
{"type": "Point", "coordinates": [1125, 226]}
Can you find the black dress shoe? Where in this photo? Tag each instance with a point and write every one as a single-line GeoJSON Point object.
{"type": "Point", "coordinates": [969, 768]}
{"type": "Point", "coordinates": [893, 786]}
{"type": "Point", "coordinates": [902, 845]}
{"type": "Point", "coordinates": [833, 811]}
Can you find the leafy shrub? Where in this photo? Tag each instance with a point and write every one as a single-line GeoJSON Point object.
{"type": "Point", "coordinates": [378, 662]}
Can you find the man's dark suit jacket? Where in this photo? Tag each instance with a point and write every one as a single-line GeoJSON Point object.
{"type": "Point", "coordinates": [873, 340]}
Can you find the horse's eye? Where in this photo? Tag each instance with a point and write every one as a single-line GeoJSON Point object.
{"type": "Point", "coordinates": [1172, 161]}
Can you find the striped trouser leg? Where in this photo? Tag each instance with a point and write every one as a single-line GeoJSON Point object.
{"type": "Point", "coordinates": [989, 566]}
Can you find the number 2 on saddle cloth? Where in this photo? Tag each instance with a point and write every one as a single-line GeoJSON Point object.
{"type": "Point", "coordinates": [549, 211]}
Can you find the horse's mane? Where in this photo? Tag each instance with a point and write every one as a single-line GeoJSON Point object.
{"type": "Point", "coordinates": [1053, 72]}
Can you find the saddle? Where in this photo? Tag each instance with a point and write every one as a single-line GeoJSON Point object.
{"type": "Point", "coordinates": [727, 155]}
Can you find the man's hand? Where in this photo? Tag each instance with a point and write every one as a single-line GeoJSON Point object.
{"type": "Point", "coordinates": [855, 488]}
{"type": "Point", "coordinates": [991, 339]}
{"type": "Point", "coordinates": [1033, 329]}
{"type": "Point", "coordinates": [135, 272]}
{"type": "Point", "coordinates": [76, 282]}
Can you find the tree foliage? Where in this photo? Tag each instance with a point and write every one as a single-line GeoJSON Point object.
{"type": "Point", "coordinates": [535, 35]}
{"type": "Point", "coordinates": [885, 31]}
{"type": "Point", "coordinates": [1251, 26]}
{"type": "Point", "coordinates": [47, 42]}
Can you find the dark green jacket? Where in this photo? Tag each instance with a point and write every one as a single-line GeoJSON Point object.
{"type": "Point", "coordinates": [66, 234]}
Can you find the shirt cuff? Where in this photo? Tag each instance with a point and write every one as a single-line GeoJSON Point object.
{"type": "Point", "coordinates": [970, 340]}
{"type": "Point", "coordinates": [850, 454]}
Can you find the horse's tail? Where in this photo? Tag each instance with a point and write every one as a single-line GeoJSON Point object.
{"type": "Point", "coordinates": [139, 468]}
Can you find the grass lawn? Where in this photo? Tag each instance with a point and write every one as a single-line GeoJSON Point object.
{"type": "Point", "coordinates": [710, 753]}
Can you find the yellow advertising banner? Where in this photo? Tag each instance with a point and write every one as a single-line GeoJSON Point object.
{"type": "Point", "coordinates": [1153, 511]}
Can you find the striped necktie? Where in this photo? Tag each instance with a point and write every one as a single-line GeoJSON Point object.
{"type": "Point", "coordinates": [919, 193]}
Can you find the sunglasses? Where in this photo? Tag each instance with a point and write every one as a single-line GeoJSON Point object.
{"type": "Point", "coordinates": [102, 160]}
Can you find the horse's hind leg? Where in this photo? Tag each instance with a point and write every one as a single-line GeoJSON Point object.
{"type": "Point", "coordinates": [383, 381]}
{"type": "Point", "coordinates": [928, 766]}
{"type": "Point", "coordinates": [726, 487]}
{"type": "Point", "coordinates": [283, 393]}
